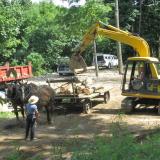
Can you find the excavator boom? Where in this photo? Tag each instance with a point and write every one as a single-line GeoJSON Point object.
{"type": "Point", "coordinates": [141, 80]}
{"type": "Point", "coordinates": [138, 43]}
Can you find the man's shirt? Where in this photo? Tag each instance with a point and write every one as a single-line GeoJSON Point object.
{"type": "Point", "coordinates": [31, 109]}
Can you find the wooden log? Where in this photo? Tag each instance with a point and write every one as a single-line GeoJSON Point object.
{"type": "Point", "coordinates": [69, 80]}
{"type": "Point", "coordinates": [87, 91]}
{"type": "Point", "coordinates": [66, 89]}
{"type": "Point", "coordinates": [81, 70]}
{"type": "Point", "coordinates": [79, 89]}
{"type": "Point", "coordinates": [97, 88]}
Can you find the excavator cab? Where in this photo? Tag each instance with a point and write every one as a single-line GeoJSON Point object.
{"type": "Point", "coordinates": [141, 83]}
{"type": "Point", "coordinates": [139, 77]}
{"type": "Point", "coordinates": [135, 75]}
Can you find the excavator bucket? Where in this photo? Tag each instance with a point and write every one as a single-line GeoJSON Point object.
{"type": "Point", "coordinates": [77, 63]}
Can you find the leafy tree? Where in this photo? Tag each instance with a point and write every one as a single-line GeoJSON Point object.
{"type": "Point", "coordinates": [53, 31]}
{"type": "Point", "coordinates": [37, 63]}
{"type": "Point", "coordinates": [150, 25]}
{"type": "Point", "coordinates": [10, 21]}
{"type": "Point", "coordinates": [43, 35]}
{"type": "Point", "coordinates": [77, 20]}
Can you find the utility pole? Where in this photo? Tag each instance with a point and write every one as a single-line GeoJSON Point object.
{"type": "Point", "coordinates": [95, 58]}
{"type": "Point", "coordinates": [119, 48]}
{"type": "Point", "coordinates": [140, 17]}
{"type": "Point", "coordinates": [159, 48]}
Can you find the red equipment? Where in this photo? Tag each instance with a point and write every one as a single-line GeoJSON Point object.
{"type": "Point", "coordinates": [15, 73]}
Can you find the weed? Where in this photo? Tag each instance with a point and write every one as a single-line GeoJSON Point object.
{"type": "Point", "coordinates": [121, 145]}
{"type": "Point", "coordinates": [15, 155]}
{"type": "Point", "coordinates": [6, 115]}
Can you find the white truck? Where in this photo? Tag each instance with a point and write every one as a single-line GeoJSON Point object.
{"type": "Point", "coordinates": [106, 60]}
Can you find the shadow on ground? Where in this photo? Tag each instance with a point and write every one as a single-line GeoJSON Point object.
{"type": "Point", "coordinates": [71, 128]}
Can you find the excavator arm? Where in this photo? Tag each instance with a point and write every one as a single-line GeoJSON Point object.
{"type": "Point", "coordinates": [138, 43]}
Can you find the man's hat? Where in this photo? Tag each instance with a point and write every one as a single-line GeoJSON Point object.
{"type": "Point", "coordinates": [33, 99]}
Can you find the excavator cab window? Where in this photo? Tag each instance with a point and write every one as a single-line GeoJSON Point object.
{"type": "Point", "coordinates": [136, 74]}
{"type": "Point", "coordinates": [142, 70]}
{"type": "Point", "coordinates": [127, 77]}
{"type": "Point", "coordinates": [157, 65]}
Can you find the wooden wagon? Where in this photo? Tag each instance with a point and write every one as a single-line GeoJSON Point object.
{"type": "Point", "coordinates": [79, 99]}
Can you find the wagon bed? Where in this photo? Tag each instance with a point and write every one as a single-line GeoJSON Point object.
{"type": "Point", "coordinates": [80, 100]}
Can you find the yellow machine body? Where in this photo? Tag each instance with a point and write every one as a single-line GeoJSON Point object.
{"type": "Point", "coordinates": [143, 56]}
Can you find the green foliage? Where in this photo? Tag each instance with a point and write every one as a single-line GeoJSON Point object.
{"type": "Point", "coordinates": [54, 31]}
{"type": "Point", "coordinates": [6, 115]}
{"type": "Point", "coordinates": [37, 63]}
{"type": "Point", "coordinates": [119, 144]}
{"type": "Point", "coordinates": [77, 20]}
{"type": "Point", "coordinates": [15, 155]}
{"type": "Point", "coordinates": [11, 19]}
{"type": "Point", "coordinates": [149, 27]}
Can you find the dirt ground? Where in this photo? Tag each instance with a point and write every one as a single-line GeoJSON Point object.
{"type": "Point", "coordinates": [75, 124]}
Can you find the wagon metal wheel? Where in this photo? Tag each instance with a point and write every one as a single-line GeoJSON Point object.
{"type": "Point", "coordinates": [106, 97]}
{"type": "Point", "coordinates": [87, 106]}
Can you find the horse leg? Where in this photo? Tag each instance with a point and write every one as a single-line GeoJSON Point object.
{"type": "Point", "coordinates": [16, 111]}
{"type": "Point", "coordinates": [22, 112]}
{"type": "Point", "coordinates": [48, 115]}
{"type": "Point", "coordinates": [52, 108]}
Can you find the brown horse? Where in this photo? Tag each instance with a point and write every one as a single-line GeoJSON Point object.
{"type": "Point", "coordinates": [14, 95]}
{"type": "Point", "coordinates": [46, 97]}
{"type": "Point", "coordinates": [20, 94]}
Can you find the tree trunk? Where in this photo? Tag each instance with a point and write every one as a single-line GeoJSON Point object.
{"type": "Point", "coordinates": [119, 48]}
{"type": "Point", "coordinates": [140, 17]}
{"type": "Point", "coordinates": [159, 48]}
{"type": "Point", "coordinates": [95, 59]}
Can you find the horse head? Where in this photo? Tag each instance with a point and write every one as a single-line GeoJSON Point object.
{"type": "Point", "coordinates": [27, 90]}
{"type": "Point", "coordinates": [13, 91]}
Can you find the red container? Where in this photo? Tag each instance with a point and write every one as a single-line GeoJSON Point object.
{"type": "Point", "coordinates": [14, 73]}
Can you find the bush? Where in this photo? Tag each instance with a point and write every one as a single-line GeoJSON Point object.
{"type": "Point", "coordinates": [15, 155]}
{"type": "Point", "coordinates": [37, 63]}
{"type": "Point", "coordinates": [120, 146]}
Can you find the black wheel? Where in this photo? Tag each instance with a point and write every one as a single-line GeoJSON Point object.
{"type": "Point", "coordinates": [128, 105]}
{"type": "Point", "coordinates": [106, 97]}
{"type": "Point", "coordinates": [87, 107]}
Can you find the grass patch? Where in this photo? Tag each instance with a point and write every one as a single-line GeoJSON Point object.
{"type": "Point", "coordinates": [120, 145]}
{"type": "Point", "coordinates": [6, 115]}
{"type": "Point", "coordinates": [15, 155]}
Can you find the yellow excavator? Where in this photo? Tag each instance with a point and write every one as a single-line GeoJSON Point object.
{"type": "Point", "coordinates": [141, 80]}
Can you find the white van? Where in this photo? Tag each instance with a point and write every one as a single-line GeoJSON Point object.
{"type": "Point", "coordinates": [107, 60]}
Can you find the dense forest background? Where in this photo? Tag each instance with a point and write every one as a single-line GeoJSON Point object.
{"type": "Point", "coordinates": [42, 32]}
